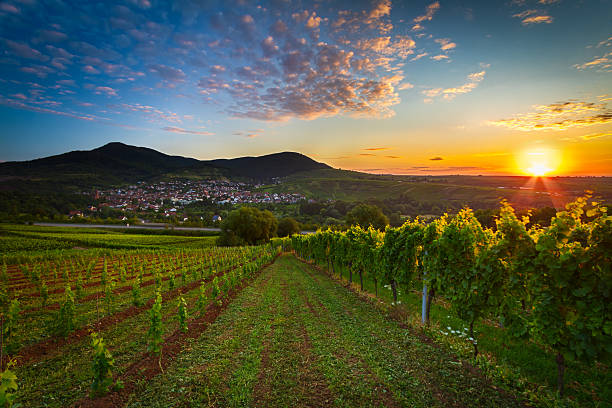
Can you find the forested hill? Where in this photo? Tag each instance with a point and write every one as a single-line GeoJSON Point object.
{"type": "Point", "coordinates": [117, 163]}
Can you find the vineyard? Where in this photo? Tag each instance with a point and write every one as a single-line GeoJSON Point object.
{"type": "Point", "coordinates": [55, 305]}
{"type": "Point", "coordinates": [445, 313]}
{"type": "Point", "coordinates": [547, 289]}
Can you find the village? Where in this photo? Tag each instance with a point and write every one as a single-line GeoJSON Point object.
{"type": "Point", "coordinates": [169, 198]}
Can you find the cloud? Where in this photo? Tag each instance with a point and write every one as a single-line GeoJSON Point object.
{"type": "Point", "coordinates": [537, 20]}
{"type": "Point", "coordinates": [559, 116]}
{"type": "Point", "coordinates": [473, 81]}
{"type": "Point", "coordinates": [376, 148]}
{"type": "Point", "coordinates": [90, 70]}
{"type": "Point", "coordinates": [268, 46]}
{"type": "Point", "coordinates": [174, 129]}
{"type": "Point", "coordinates": [168, 73]}
{"type": "Point", "coordinates": [367, 154]}
{"type": "Point", "coordinates": [153, 114]}
{"type": "Point", "coordinates": [533, 17]}
{"type": "Point", "coordinates": [429, 13]}
{"type": "Point", "coordinates": [445, 44]}
{"type": "Point", "coordinates": [405, 85]}
{"type": "Point", "coordinates": [595, 135]}
{"type": "Point", "coordinates": [437, 158]}
{"type": "Point", "coordinates": [440, 57]}
{"type": "Point", "coordinates": [393, 157]}
{"type": "Point", "coordinates": [9, 8]}
{"type": "Point", "coordinates": [602, 63]}
{"type": "Point", "coordinates": [252, 133]}
{"type": "Point", "coordinates": [25, 51]}
{"type": "Point", "coordinates": [249, 61]}
{"type": "Point", "coordinates": [108, 91]}
{"type": "Point", "coordinates": [419, 56]}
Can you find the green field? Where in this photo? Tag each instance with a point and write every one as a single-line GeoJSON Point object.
{"type": "Point", "coordinates": [21, 240]}
{"type": "Point", "coordinates": [269, 332]}
{"type": "Point", "coordinates": [296, 338]}
{"type": "Point", "coordinates": [442, 191]}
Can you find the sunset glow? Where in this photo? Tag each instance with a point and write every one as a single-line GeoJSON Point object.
{"type": "Point", "coordinates": [426, 87]}
{"type": "Point", "coordinates": [539, 170]}
{"type": "Point", "coordinates": [540, 162]}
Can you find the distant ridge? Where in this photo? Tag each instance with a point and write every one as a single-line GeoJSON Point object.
{"type": "Point", "coordinates": [116, 163]}
{"type": "Point", "coordinates": [268, 166]}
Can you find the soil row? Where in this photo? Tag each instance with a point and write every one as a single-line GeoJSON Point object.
{"type": "Point", "coordinates": [49, 347]}
{"type": "Point", "coordinates": [147, 366]}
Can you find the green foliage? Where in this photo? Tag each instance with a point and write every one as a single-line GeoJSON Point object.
{"type": "Point", "coordinates": [43, 290]}
{"type": "Point", "coordinates": [122, 274]}
{"type": "Point", "coordinates": [366, 215]}
{"type": "Point", "coordinates": [80, 292]}
{"type": "Point", "coordinates": [571, 284]}
{"type": "Point", "coordinates": [287, 227]}
{"type": "Point", "coordinates": [65, 318]}
{"type": "Point", "coordinates": [8, 386]}
{"type": "Point", "coordinates": [216, 291]}
{"type": "Point", "coordinates": [156, 328]}
{"type": "Point", "coordinates": [4, 297]}
{"type": "Point", "coordinates": [103, 365]}
{"type": "Point", "coordinates": [10, 326]}
{"type": "Point", "coordinates": [553, 283]}
{"type": "Point", "coordinates": [171, 281]}
{"type": "Point", "coordinates": [182, 314]}
{"type": "Point", "coordinates": [247, 225]}
{"type": "Point", "coordinates": [202, 301]}
{"type": "Point", "coordinates": [136, 296]}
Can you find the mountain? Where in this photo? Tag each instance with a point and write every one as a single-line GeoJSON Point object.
{"type": "Point", "coordinates": [269, 166]}
{"type": "Point", "coordinates": [117, 163]}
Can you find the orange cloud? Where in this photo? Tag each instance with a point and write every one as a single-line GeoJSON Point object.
{"type": "Point", "coordinates": [450, 93]}
{"type": "Point", "coordinates": [559, 116]}
{"type": "Point", "coordinates": [533, 17]}
{"type": "Point", "coordinates": [429, 13]}
{"type": "Point", "coordinates": [595, 135]}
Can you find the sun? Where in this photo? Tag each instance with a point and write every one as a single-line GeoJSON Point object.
{"type": "Point", "coordinates": [538, 162]}
{"type": "Point", "coordinates": [539, 170]}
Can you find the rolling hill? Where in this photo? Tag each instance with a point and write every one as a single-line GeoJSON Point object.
{"type": "Point", "coordinates": [117, 163]}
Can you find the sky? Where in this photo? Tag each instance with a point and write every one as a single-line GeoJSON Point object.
{"type": "Point", "coordinates": [404, 87]}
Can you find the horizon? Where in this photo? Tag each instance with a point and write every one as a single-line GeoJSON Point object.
{"type": "Point", "coordinates": [434, 88]}
{"type": "Point", "coordinates": [336, 168]}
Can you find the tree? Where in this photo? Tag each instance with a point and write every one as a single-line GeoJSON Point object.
{"type": "Point", "coordinates": [287, 227]}
{"type": "Point", "coordinates": [366, 215]}
{"type": "Point", "coordinates": [247, 225]}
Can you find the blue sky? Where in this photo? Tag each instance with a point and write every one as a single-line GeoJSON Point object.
{"type": "Point", "coordinates": [377, 86]}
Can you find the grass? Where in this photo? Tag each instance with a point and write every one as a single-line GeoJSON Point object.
{"type": "Point", "coordinates": [515, 363]}
{"type": "Point", "coordinates": [295, 337]}
{"type": "Point", "coordinates": [19, 240]}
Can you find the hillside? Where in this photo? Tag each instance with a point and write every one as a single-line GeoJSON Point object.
{"type": "Point", "coordinates": [421, 194]}
{"type": "Point", "coordinates": [268, 166]}
{"type": "Point", "coordinates": [118, 163]}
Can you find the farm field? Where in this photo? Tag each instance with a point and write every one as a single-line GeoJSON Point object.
{"type": "Point", "coordinates": [33, 240]}
{"type": "Point", "coordinates": [53, 303]}
{"type": "Point", "coordinates": [295, 337]}
{"type": "Point", "coordinates": [268, 325]}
